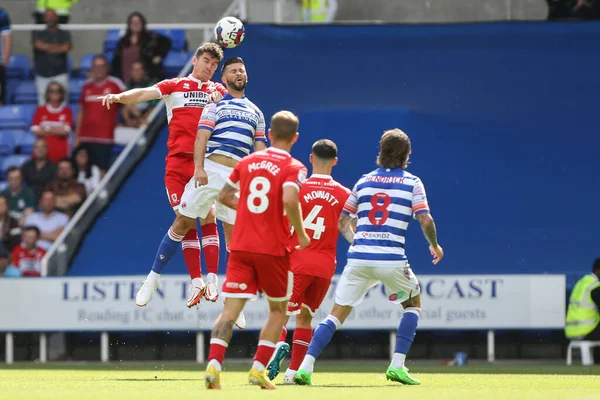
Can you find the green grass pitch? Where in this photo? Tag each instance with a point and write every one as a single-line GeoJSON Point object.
{"type": "Point", "coordinates": [332, 381]}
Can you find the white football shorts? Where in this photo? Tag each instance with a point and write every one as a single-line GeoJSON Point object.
{"type": "Point", "coordinates": [400, 284]}
{"type": "Point", "coordinates": [196, 202]}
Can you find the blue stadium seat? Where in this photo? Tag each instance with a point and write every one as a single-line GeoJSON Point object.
{"type": "Point", "coordinates": [75, 109]}
{"type": "Point", "coordinates": [177, 36]}
{"type": "Point", "coordinates": [19, 67]}
{"type": "Point", "coordinates": [112, 38]}
{"type": "Point", "coordinates": [25, 93]}
{"type": "Point", "coordinates": [24, 140]}
{"type": "Point", "coordinates": [3, 185]}
{"type": "Point", "coordinates": [16, 160]}
{"type": "Point", "coordinates": [75, 86]}
{"type": "Point", "coordinates": [70, 65]}
{"type": "Point", "coordinates": [7, 143]}
{"type": "Point", "coordinates": [109, 55]}
{"type": "Point", "coordinates": [16, 116]}
{"type": "Point", "coordinates": [85, 64]}
{"type": "Point", "coordinates": [175, 61]}
{"type": "Point", "coordinates": [11, 87]}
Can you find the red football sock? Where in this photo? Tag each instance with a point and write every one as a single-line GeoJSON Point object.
{"type": "Point", "coordinates": [300, 344]}
{"type": "Point", "coordinates": [217, 350]}
{"type": "Point", "coordinates": [191, 253]}
{"type": "Point", "coordinates": [264, 352]}
{"type": "Point", "coordinates": [283, 336]}
{"type": "Point", "coordinates": [210, 247]}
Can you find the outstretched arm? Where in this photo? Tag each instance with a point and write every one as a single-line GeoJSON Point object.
{"type": "Point", "coordinates": [132, 96]}
{"type": "Point", "coordinates": [347, 227]}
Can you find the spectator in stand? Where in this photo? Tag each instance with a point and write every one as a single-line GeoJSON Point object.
{"type": "Point", "coordinates": [27, 256]}
{"type": "Point", "coordinates": [62, 8]}
{"type": "Point", "coordinates": [5, 51]}
{"type": "Point", "coordinates": [50, 48]}
{"type": "Point", "coordinates": [39, 171]}
{"type": "Point", "coordinates": [6, 269]}
{"type": "Point", "coordinates": [20, 197]}
{"type": "Point", "coordinates": [87, 174]}
{"type": "Point", "coordinates": [95, 127]}
{"type": "Point", "coordinates": [136, 115]}
{"type": "Point", "coordinates": [53, 122]}
{"type": "Point", "coordinates": [140, 44]}
{"type": "Point", "coordinates": [573, 9]}
{"type": "Point", "coordinates": [69, 193]}
{"type": "Point", "coordinates": [50, 222]}
{"type": "Point", "coordinates": [10, 231]}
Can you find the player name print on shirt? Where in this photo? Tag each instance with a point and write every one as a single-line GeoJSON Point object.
{"type": "Point", "coordinates": [266, 165]}
{"type": "Point", "coordinates": [321, 194]}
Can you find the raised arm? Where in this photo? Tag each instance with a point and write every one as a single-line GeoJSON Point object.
{"type": "Point", "coordinates": [132, 96]}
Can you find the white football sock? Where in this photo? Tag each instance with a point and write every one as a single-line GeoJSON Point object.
{"type": "Point", "coordinates": [153, 277]}
{"type": "Point", "coordinates": [308, 364]}
{"type": "Point", "coordinates": [398, 360]}
{"type": "Point", "coordinates": [212, 277]}
{"type": "Point", "coordinates": [258, 365]}
{"type": "Point", "coordinates": [198, 282]}
{"type": "Point", "coordinates": [216, 364]}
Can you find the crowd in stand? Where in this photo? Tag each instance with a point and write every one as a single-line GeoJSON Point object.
{"type": "Point", "coordinates": [71, 151]}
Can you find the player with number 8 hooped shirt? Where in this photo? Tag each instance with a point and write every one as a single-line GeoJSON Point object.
{"type": "Point", "coordinates": [185, 99]}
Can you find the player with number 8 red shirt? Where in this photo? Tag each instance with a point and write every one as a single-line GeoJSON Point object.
{"type": "Point", "coordinates": [268, 183]}
{"type": "Point", "coordinates": [322, 200]}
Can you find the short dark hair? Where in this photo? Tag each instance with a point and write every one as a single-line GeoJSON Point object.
{"type": "Point", "coordinates": [12, 169]}
{"type": "Point", "coordinates": [232, 60]}
{"type": "Point", "coordinates": [596, 266]}
{"type": "Point", "coordinates": [32, 228]}
{"type": "Point", "coordinates": [394, 149]}
{"type": "Point", "coordinates": [211, 48]}
{"type": "Point", "coordinates": [100, 57]}
{"type": "Point", "coordinates": [284, 125]}
{"type": "Point", "coordinates": [325, 149]}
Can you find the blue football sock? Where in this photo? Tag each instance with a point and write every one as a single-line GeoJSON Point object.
{"type": "Point", "coordinates": [167, 249]}
{"type": "Point", "coordinates": [406, 330]}
{"type": "Point", "coordinates": [323, 335]}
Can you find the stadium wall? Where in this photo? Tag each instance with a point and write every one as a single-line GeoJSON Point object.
{"type": "Point", "coordinates": [502, 120]}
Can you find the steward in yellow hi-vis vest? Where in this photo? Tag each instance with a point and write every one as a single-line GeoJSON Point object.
{"type": "Point", "coordinates": [61, 7]}
{"type": "Point", "coordinates": [319, 10]}
{"type": "Point", "coordinates": [583, 315]}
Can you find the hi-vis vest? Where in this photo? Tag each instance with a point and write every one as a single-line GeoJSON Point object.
{"type": "Point", "coordinates": [315, 10]}
{"type": "Point", "coordinates": [62, 7]}
{"type": "Point", "coordinates": [583, 315]}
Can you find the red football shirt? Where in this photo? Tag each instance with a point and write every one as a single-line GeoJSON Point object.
{"type": "Point", "coordinates": [29, 262]}
{"type": "Point", "coordinates": [322, 200]}
{"type": "Point", "coordinates": [98, 124]}
{"type": "Point", "coordinates": [48, 116]}
{"type": "Point", "coordinates": [261, 226]}
{"type": "Point", "coordinates": [185, 99]}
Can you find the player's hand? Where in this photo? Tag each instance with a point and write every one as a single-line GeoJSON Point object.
{"type": "Point", "coordinates": [437, 252]}
{"type": "Point", "coordinates": [109, 99]}
{"type": "Point", "coordinates": [200, 177]}
{"type": "Point", "coordinates": [215, 97]}
{"type": "Point", "coordinates": [303, 241]}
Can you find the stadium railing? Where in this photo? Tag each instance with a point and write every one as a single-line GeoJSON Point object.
{"type": "Point", "coordinates": [61, 252]}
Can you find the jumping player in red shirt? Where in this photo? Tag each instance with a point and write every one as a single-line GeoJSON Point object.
{"type": "Point", "coordinates": [322, 200]}
{"type": "Point", "coordinates": [185, 99]}
{"type": "Point", "coordinates": [268, 183]}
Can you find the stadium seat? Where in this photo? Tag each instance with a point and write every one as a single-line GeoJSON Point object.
{"type": "Point", "coordinates": [109, 55]}
{"type": "Point", "coordinates": [85, 64]}
{"type": "Point", "coordinates": [75, 86]}
{"type": "Point", "coordinates": [177, 36]}
{"type": "Point", "coordinates": [112, 38]}
{"type": "Point", "coordinates": [7, 143]}
{"type": "Point", "coordinates": [11, 87]}
{"type": "Point", "coordinates": [16, 160]}
{"type": "Point", "coordinates": [75, 109]}
{"type": "Point", "coordinates": [16, 116]}
{"type": "Point", "coordinates": [25, 93]}
{"type": "Point", "coordinates": [70, 65]}
{"type": "Point", "coordinates": [586, 348]}
{"type": "Point", "coordinates": [24, 141]}
{"type": "Point", "coordinates": [175, 61]}
{"type": "Point", "coordinates": [3, 185]}
{"type": "Point", "coordinates": [19, 67]}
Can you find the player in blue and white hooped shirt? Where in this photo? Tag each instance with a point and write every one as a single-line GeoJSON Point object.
{"type": "Point", "coordinates": [374, 221]}
{"type": "Point", "coordinates": [227, 131]}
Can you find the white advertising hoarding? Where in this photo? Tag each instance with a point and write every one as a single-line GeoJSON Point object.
{"type": "Point", "coordinates": [108, 304]}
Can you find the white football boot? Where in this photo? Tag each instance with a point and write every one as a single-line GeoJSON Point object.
{"type": "Point", "coordinates": [197, 291]}
{"type": "Point", "coordinates": [241, 321]}
{"type": "Point", "coordinates": [144, 295]}
{"type": "Point", "coordinates": [212, 289]}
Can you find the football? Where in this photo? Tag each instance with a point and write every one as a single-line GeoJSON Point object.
{"type": "Point", "coordinates": [230, 32]}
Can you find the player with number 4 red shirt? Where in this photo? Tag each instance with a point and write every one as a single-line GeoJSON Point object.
{"type": "Point", "coordinates": [322, 200]}
{"type": "Point", "coordinates": [268, 183]}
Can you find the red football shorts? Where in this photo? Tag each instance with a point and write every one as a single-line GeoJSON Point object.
{"type": "Point", "coordinates": [250, 273]}
{"type": "Point", "coordinates": [178, 172]}
{"type": "Point", "coordinates": [309, 292]}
